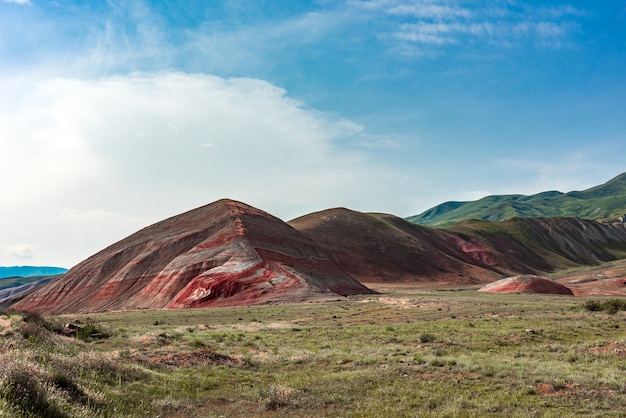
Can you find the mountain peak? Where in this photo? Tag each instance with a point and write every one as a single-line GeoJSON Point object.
{"type": "Point", "coordinates": [222, 254]}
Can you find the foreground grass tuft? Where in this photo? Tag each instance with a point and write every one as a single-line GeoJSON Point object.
{"type": "Point", "coordinates": [25, 394]}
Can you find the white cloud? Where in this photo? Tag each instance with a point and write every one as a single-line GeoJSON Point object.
{"type": "Point", "coordinates": [574, 170]}
{"type": "Point", "coordinates": [428, 10]}
{"type": "Point", "coordinates": [429, 25]}
{"type": "Point", "coordinates": [79, 177]}
{"type": "Point", "coordinates": [97, 216]}
{"type": "Point", "coordinates": [19, 251]}
{"type": "Point", "coordinates": [22, 2]}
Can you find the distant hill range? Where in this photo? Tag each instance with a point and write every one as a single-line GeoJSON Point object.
{"type": "Point", "coordinates": [17, 281]}
{"type": "Point", "coordinates": [382, 248]}
{"type": "Point", "coordinates": [228, 253]}
{"type": "Point", "coordinates": [30, 271]}
{"type": "Point", "coordinates": [603, 203]}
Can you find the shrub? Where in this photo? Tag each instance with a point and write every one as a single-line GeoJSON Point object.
{"type": "Point", "coordinates": [593, 306]}
{"type": "Point", "coordinates": [197, 343]}
{"type": "Point", "coordinates": [427, 338]}
{"type": "Point", "coordinates": [21, 391]}
{"type": "Point", "coordinates": [614, 305]}
{"type": "Point", "coordinates": [437, 363]}
{"type": "Point", "coordinates": [91, 331]}
{"type": "Point", "coordinates": [36, 328]}
{"type": "Point", "coordinates": [610, 306]}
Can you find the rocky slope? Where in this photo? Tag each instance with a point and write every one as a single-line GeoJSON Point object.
{"type": "Point", "coordinates": [223, 254]}
{"type": "Point", "coordinates": [549, 244]}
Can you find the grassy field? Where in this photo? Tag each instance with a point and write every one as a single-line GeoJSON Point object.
{"type": "Point", "coordinates": [403, 353]}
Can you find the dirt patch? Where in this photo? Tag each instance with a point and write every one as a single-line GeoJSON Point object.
{"type": "Point", "coordinates": [411, 303]}
{"type": "Point", "coordinates": [548, 389]}
{"type": "Point", "coordinates": [402, 303]}
{"type": "Point", "coordinates": [614, 347]}
{"type": "Point", "coordinates": [188, 359]}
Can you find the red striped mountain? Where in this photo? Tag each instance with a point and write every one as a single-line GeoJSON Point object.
{"type": "Point", "coordinates": [381, 248]}
{"type": "Point", "coordinates": [223, 254]}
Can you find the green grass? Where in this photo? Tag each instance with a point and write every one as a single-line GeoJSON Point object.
{"type": "Point", "coordinates": [603, 202]}
{"type": "Point", "coordinates": [411, 353]}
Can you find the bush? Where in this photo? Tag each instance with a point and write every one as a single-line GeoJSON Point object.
{"type": "Point", "coordinates": [615, 305]}
{"type": "Point", "coordinates": [36, 328]}
{"type": "Point", "coordinates": [21, 391]}
{"type": "Point", "coordinates": [593, 305]}
{"type": "Point", "coordinates": [91, 331]}
{"type": "Point", "coordinates": [610, 306]}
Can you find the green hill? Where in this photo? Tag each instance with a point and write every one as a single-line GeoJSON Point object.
{"type": "Point", "coordinates": [602, 203]}
{"type": "Point", "coordinates": [12, 282]}
{"type": "Point", "coordinates": [30, 271]}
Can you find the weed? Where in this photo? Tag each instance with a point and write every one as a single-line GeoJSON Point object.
{"type": "Point", "coordinates": [197, 343]}
{"type": "Point", "coordinates": [276, 396]}
{"type": "Point", "coordinates": [572, 358]}
{"type": "Point", "coordinates": [418, 359]}
{"type": "Point", "coordinates": [437, 363]}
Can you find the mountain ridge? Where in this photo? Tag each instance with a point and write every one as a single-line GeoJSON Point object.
{"type": "Point", "coordinates": [383, 248]}
{"type": "Point", "coordinates": [603, 203]}
{"type": "Point", "coordinates": [228, 253]}
{"type": "Point", "coordinates": [30, 271]}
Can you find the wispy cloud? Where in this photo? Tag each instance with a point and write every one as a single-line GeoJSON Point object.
{"type": "Point", "coordinates": [574, 170]}
{"type": "Point", "coordinates": [426, 26]}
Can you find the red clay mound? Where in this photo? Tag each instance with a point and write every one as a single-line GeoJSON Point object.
{"type": "Point", "coordinates": [223, 254]}
{"type": "Point", "coordinates": [382, 248]}
{"type": "Point", "coordinates": [527, 284]}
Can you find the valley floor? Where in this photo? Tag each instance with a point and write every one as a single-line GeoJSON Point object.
{"type": "Point", "coordinates": [402, 353]}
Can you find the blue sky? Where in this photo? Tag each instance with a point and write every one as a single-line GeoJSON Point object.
{"type": "Point", "coordinates": [117, 114]}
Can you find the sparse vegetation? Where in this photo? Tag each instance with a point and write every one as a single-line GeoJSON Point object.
{"type": "Point", "coordinates": [410, 353]}
{"type": "Point", "coordinates": [611, 306]}
{"type": "Point", "coordinates": [91, 331]}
